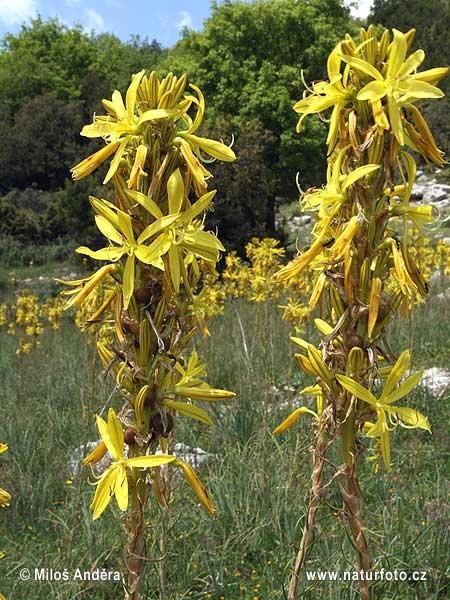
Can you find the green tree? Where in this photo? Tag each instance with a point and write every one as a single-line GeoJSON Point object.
{"type": "Point", "coordinates": [244, 207]}
{"type": "Point", "coordinates": [43, 141]}
{"type": "Point", "coordinates": [51, 79]}
{"type": "Point", "coordinates": [248, 60]}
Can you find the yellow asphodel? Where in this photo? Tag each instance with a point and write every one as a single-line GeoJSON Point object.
{"type": "Point", "coordinates": [326, 94]}
{"type": "Point", "coordinates": [400, 85]}
{"type": "Point", "coordinates": [114, 480]}
{"type": "Point", "coordinates": [338, 188]}
{"type": "Point", "coordinates": [124, 237]}
{"type": "Point", "coordinates": [388, 416]}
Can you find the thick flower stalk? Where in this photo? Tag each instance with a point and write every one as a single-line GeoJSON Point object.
{"type": "Point", "coordinates": [363, 256]}
{"type": "Point", "coordinates": [145, 292]}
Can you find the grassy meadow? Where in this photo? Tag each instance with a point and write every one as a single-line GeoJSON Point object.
{"type": "Point", "coordinates": [259, 483]}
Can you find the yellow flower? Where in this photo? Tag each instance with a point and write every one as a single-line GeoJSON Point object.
{"type": "Point", "coordinates": [114, 480]}
{"type": "Point", "coordinates": [398, 85]}
{"type": "Point", "coordinates": [326, 94]}
{"type": "Point", "coordinates": [396, 415]}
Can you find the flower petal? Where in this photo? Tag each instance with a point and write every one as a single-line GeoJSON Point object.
{"type": "Point", "coordinates": [356, 389]}
{"type": "Point", "coordinates": [410, 416]}
{"type": "Point", "coordinates": [404, 388]}
{"type": "Point", "coordinates": [105, 489]}
{"type": "Point", "coordinates": [121, 487]}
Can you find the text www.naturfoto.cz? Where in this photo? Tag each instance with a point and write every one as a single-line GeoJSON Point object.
{"type": "Point", "coordinates": [361, 575]}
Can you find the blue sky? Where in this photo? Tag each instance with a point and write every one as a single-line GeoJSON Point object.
{"type": "Point", "coordinates": [160, 19]}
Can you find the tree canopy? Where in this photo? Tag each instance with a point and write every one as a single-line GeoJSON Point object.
{"type": "Point", "coordinates": [251, 59]}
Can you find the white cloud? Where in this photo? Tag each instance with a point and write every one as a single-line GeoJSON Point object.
{"type": "Point", "coordinates": [94, 20]}
{"type": "Point", "coordinates": [185, 21]}
{"type": "Point", "coordinates": [15, 12]}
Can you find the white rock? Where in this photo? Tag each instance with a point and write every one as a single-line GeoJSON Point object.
{"type": "Point", "coordinates": [435, 277]}
{"type": "Point", "coordinates": [436, 380]}
{"type": "Point", "coordinates": [443, 295]}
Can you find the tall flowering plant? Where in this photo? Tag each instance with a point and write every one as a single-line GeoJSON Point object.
{"type": "Point", "coordinates": [156, 248]}
{"type": "Point", "coordinates": [361, 253]}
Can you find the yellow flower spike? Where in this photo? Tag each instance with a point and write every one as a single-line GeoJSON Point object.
{"type": "Point", "coordinates": [374, 304]}
{"type": "Point", "coordinates": [114, 480]}
{"type": "Point", "coordinates": [158, 243]}
{"type": "Point", "coordinates": [197, 486]}
{"type": "Point", "coordinates": [287, 423]}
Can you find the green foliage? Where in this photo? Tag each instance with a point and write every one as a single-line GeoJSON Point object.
{"type": "Point", "coordinates": [44, 143]}
{"type": "Point", "coordinates": [248, 59]}
{"type": "Point", "coordinates": [15, 253]}
{"type": "Point", "coordinates": [49, 56]}
{"type": "Point", "coordinates": [51, 79]}
{"type": "Point", "coordinates": [244, 205]}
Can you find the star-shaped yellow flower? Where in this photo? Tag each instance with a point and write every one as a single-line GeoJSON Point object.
{"type": "Point", "coordinates": [388, 416]}
{"type": "Point", "coordinates": [114, 480]}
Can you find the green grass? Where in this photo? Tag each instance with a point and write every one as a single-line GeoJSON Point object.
{"type": "Point", "coordinates": [259, 483]}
